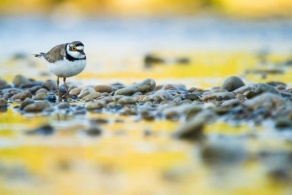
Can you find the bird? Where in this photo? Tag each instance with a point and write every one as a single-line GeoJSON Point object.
{"type": "Point", "coordinates": [65, 60]}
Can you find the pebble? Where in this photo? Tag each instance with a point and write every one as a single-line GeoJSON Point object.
{"type": "Point", "coordinates": [255, 89]}
{"type": "Point", "coordinates": [75, 91]}
{"type": "Point", "coordinates": [42, 130]}
{"type": "Point", "coordinates": [162, 95]}
{"type": "Point", "coordinates": [49, 85]}
{"type": "Point", "coordinates": [219, 96]}
{"type": "Point", "coordinates": [92, 96]}
{"type": "Point", "coordinates": [22, 95]}
{"type": "Point", "coordinates": [64, 105]}
{"type": "Point", "coordinates": [41, 90]}
{"type": "Point", "coordinates": [193, 129]}
{"type": "Point", "coordinates": [267, 100]}
{"type": "Point", "coordinates": [95, 104]}
{"type": "Point", "coordinates": [232, 83]}
{"type": "Point", "coordinates": [222, 152]}
{"type": "Point", "coordinates": [37, 106]}
{"type": "Point", "coordinates": [143, 87]}
{"type": "Point", "coordinates": [34, 89]}
{"type": "Point", "coordinates": [26, 102]}
{"type": "Point", "coordinates": [40, 96]}
{"type": "Point", "coordinates": [127, 100]}
{"type": "Point", "coordinates": [4, 84]}
{"type": "Point", "coordinates": [3, 102]}
{"type": "Point", "coordinates": [283, 123]}
{"type": "Point", "coordinates": [103, 88]}
{"type": "Point", "coordinates": [19, 80]}
{"type": "Point", "coordinates": [231, 103]}
{"type": "Point", "coordinates": [94, 131]}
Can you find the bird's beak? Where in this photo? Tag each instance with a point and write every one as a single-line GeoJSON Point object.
{"type": "Point", "coordinates": [82, 52]}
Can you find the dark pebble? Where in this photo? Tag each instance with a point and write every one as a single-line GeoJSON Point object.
{"type": "Point", "coordinates": [94, 131]}
{"type": "Point", "coordinates": [49, 85]}
{"type": "Point", "coordinates": [43, 130]}
{"type": "Point", "coordinates": [232, 83]}
{"type": "Point", "coordinates": [26, 102]}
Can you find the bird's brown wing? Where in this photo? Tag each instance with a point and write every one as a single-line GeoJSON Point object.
{"type": "Point", "coordinates": [56, 53]}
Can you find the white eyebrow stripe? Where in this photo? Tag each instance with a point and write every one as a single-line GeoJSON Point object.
{"type": "Point", "coordinates": [80, 47]}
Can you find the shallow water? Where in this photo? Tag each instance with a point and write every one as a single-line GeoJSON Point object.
{"type": "Point", "coordinates": [135, 156]}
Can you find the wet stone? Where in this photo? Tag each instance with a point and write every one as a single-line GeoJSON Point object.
{"type": "Point", "coordinates": [94, 131]}
{"type": "Point", "coordinates": [91, 96]}
{"type": "Point", "coordinates": [37, 106]}
{"type": "Point", "coordinates": [31, 84]}
{"type": "Point", "coordinates": [64, 105]}
{"type": "Point", "coordinates": [43, 130]}
{"type": "Point", "coordinates": [95, 105]}
{"type": "Point", "coordinates": [19, 80]}
{"type": "Point", "coordinates": [232, 83]}
{"type": "Point", "coordinates": [222, 153]}
{"type": "Point", "coordinates": [267, 100]}
{"type": "Point", "coordinates": [4, 84]}
{"type": "Point", "coordinates": [22, 95]}
{"type": "Point", "coordinates": [255, 89]}
{"type": "Point", "coordinates": [3, 102]}
{"type": "Point", "coordinates": [49, 85]}
{"type": "Point", "coordinates": [26, 102]}
{"type": "Point", "coordinates": [103, 88]}
{"type": "Point", "coordinates": [41, 90]}
{"type": "Point", "coordinates": [117, 86]}
{"type": "Point", "coordinates": [127, 100]}
{"type": "Point", "coordinates": [231, 103]}
{"type": "Point", "coordinates": [162, 95]}
{"type": "Point", "coordinates": [143, 87]}
{"type": "Point", "coordinates": [75, 91]}
{"type": "Point", "coordinates": [40, 96]}
{"type": "Point", "coordinates": [34, 89]}
{"type": "Point", "coordinates": [193, 129]}
{"type": "Point", "coordinates": [219, 96]}
{"type": "Point", "coordinates": [283, 123]}
{"type": "Point", "coordinates": [51, 97]}
{"type": "Point", "coordinates": [191, 97]}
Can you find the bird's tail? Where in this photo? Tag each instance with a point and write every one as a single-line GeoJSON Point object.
{"type": "Point", "coordinates": [39, 55]}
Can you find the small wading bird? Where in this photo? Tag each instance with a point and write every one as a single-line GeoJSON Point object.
{"type": "Point", "coordinates": [65, 60]}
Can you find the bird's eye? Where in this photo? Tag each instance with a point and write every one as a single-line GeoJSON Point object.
{"type": "Point", "coordinates": [73, 48]}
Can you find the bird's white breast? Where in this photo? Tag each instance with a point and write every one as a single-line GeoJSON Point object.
{"type": "Point", "coordinates": [66, 68]}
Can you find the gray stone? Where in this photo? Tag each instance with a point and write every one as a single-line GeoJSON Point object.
{"type": "Point", "coordinates": [26, 102]}
{"type": "Point", "coordinates": [22, 95]}
{"type": "Point", "coordinates": [161, 95]}
{"type": "Point", "coordinates": [19, 80]}
{"type": "Point", "coordinates": [143, 87]}
{"type": "Point", "coordinates": [267, 100]}
{"type": "Point", "coordinates": [95, 104]}
{"type": "Point", "coordinates": [103, 88]}
{"type": "Point", "coordinates": [64, 105]}
{"type": "Point", "coordinates": [193, 129]}
{"type": "Point", "coordinates": [37, 106]}
{"type": "Point", "coordinates": [75, 91]}
{"type": "Point", "coordinates": [219, 96]}
{"type": "Point", "coordinates": [232, 83]}
{"type": "Point", "coordinates": [255, 89]}
{"type": "Point", "coordinates": [40, 96]}
{"type": "Point", "coordinates": [3, 102]}
{"type": "Point", "coordinates": [127, 100]}
{"type": "Point", "coordinates": [49, 85]}
{"type": "Point", "coordinates": [91, 96]}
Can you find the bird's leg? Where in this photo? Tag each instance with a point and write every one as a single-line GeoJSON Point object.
{"type": "Point", "coordinates": [67, 91]}
{"type": "Point", "coordinates": [58, 88]}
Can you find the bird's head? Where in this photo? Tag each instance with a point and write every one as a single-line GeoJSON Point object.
{"type": "Point", "coordinates": [76, 49]}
